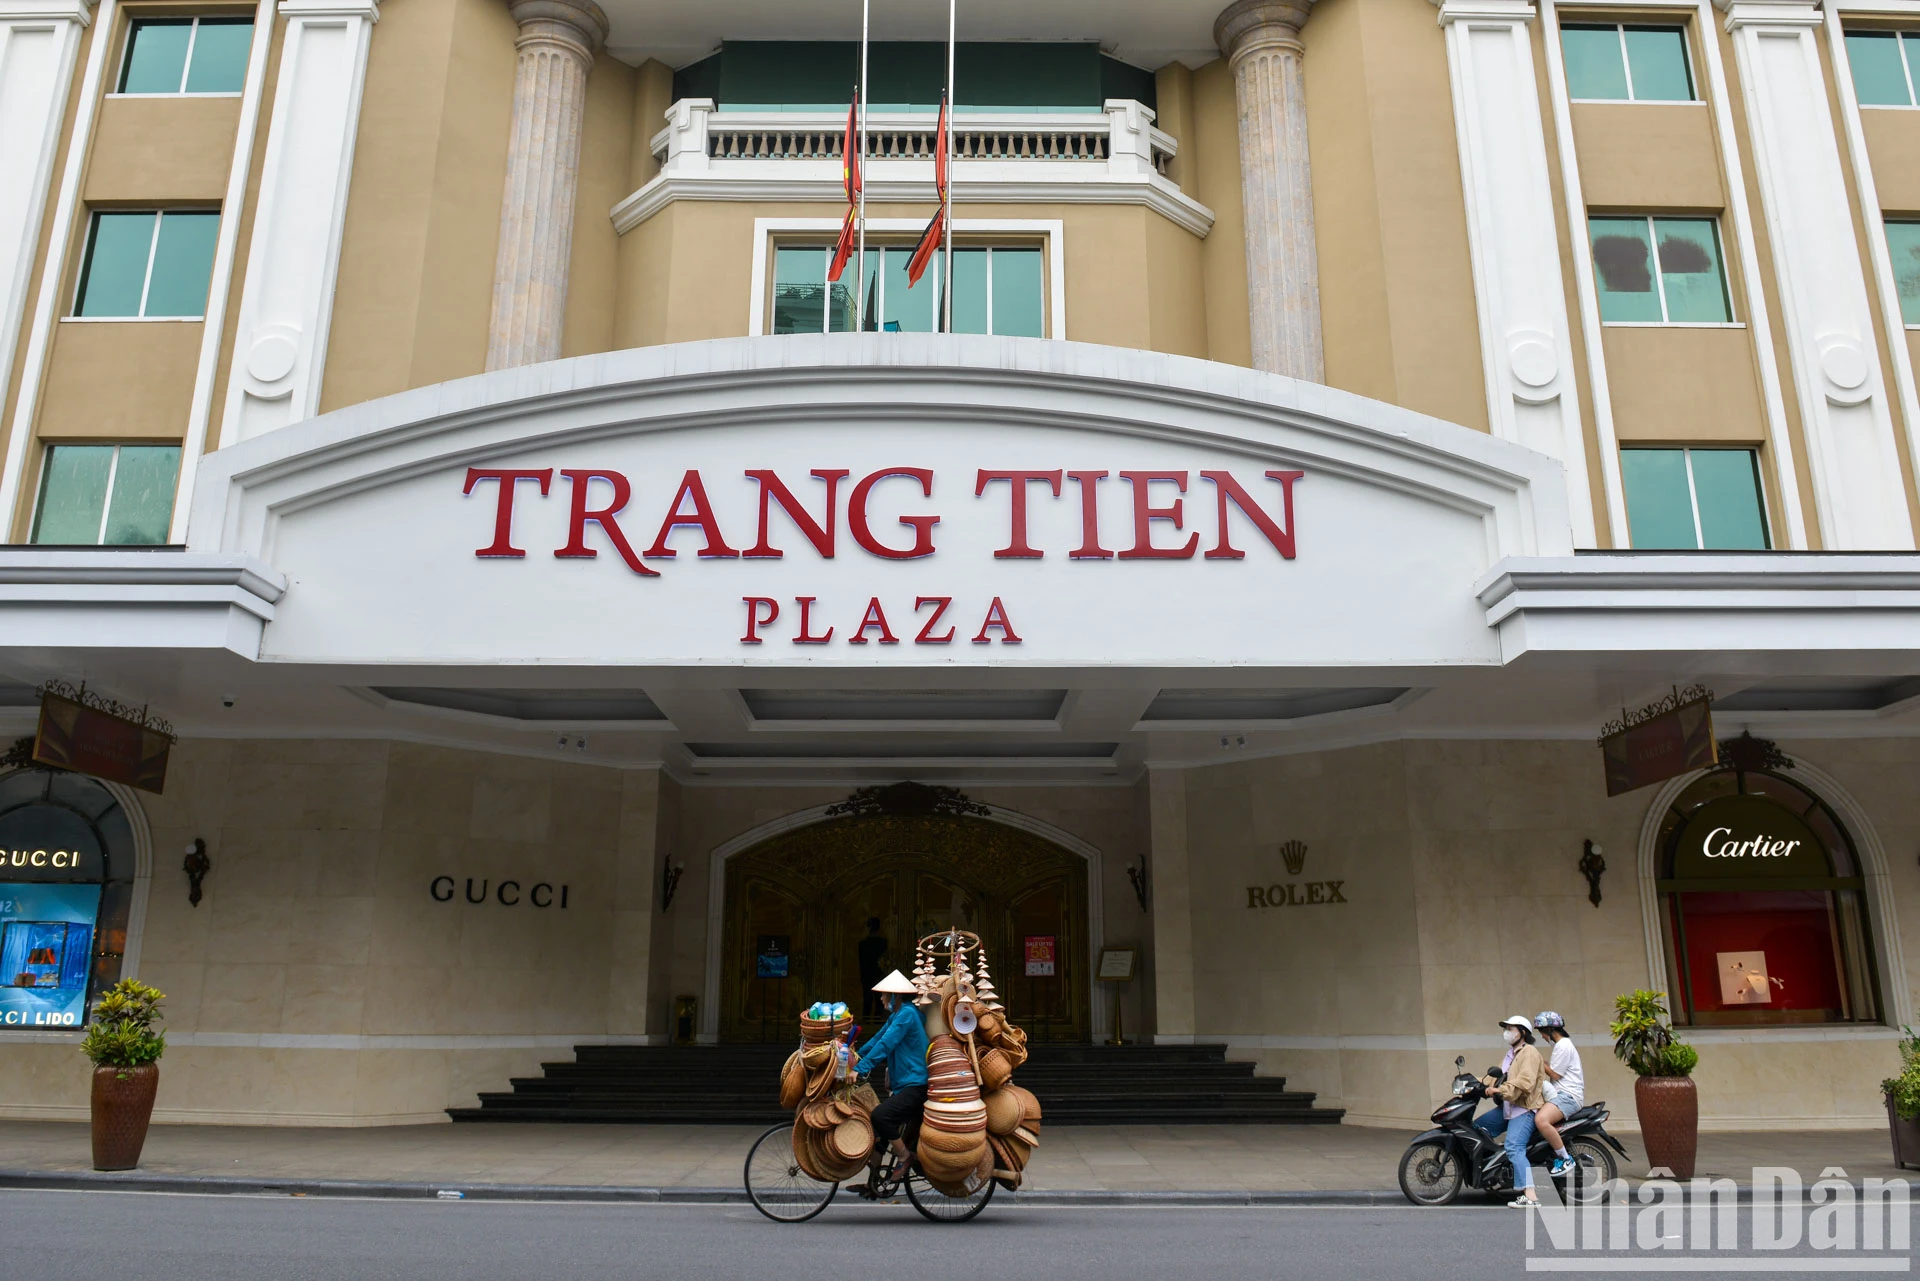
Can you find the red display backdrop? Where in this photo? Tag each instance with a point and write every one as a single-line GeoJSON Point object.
{"type": "Point", "coordinates": [1793, 929]}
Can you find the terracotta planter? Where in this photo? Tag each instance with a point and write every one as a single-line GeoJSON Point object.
{"type": "Point", "coordinates": [1669, 1108]}
{"type": "Point", "coordinates": [122, 1107]}
{"type": "Point", "coordinates": [1906, 1139]}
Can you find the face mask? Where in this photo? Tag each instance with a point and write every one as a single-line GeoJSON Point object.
{"type": "Point", "coordinates": [1513, 1035]}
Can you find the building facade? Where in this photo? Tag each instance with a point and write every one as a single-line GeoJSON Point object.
{"type": "Point", "coordinates": [580, 616]}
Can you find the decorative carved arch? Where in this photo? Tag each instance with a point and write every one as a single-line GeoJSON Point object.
{"type": "Point", "coordinates": [1896, 994]}
{"type": "Point", "coordinates": [717, 894]}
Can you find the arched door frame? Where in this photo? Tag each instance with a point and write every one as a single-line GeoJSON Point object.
{"type": "Point", "coordinates": [1896, 1008]}
{"type": "Point", "coordinates": [709, 1032]}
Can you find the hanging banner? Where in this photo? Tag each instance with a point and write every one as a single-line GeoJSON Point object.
{"type": "Point", "coordinates": [87, 740]}
{"type": "Point", "coordinates": [1671, 737]}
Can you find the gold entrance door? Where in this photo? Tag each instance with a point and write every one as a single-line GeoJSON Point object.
{"type": "Point", "coordinates": [815, 889]}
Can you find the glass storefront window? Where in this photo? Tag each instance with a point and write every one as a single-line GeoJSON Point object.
{"type": "Point", "coordinates": [1763, 906]}
{"type": "Point", "coordinates": [998, 289]}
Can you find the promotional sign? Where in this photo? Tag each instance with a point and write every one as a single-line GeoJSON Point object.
{"type": "Point", "coordinates": [1039, 956]}
{"type": "Point", "coordinates": [86, 740]}
{"type": "Point", "coordinates": [46, 953]}
{"type": "Point", "coordinates": [771, 957]}
{"type": "Point", "coordinates": [1671, 741]}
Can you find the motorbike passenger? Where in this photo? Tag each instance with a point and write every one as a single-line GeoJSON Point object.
{"type": "Point", "coordinates": [1520, 1096]}
{"type": "Point", "coordinates": [902, 1045]}
{"type": "Point", "coordinates": [1565, 1088]}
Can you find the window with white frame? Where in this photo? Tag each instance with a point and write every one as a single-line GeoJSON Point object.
{"type": "Point", "coordinates": [1694, 499]}
{"type": "Point", "coordinates": [1626, 62]}
{"type": "Point", "coordinates": [186, 55]}
{"type": "Point", "coordinates": [147, 264]}
{"type": "Point", "coordinates": [1886, 67]}
{"type": "Point", "coordinates": [1659, 271]}
{"type": "Point", "coordinates": [997, 289]}
{"type": "Point", "coordinates": [116, 495]}
{"type": "Point", "coordinates": [1903, 246]}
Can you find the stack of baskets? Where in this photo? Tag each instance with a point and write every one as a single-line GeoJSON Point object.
{"type": "Point", "coordinates": [832, 1135]}
{"type": "Point", "coordinates": [953, 1129]}
{"type": "Point", "coordinates": [978, 1124]}
{"type": "Point", "coordinates": [1013, 1114]}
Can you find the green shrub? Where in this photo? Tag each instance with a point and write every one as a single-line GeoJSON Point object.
{"type": "Point", "coordinates": [1903, 1091]}
{"type": "Point", "coordinates": [121, 1034]}
{"type": "Point", "coordinates": [1643, 1040]}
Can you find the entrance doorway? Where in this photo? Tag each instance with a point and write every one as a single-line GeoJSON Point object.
{"type": "Point", "coordinates": [798, 906]}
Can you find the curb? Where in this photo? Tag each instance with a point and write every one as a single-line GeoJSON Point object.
{"type": "Point", "coordinates": [230, 1185]}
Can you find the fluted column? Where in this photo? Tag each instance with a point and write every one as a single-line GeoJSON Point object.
{"type": "Point", "coordinates": [558, 39]}
{"type": "Point", "coordinates": [1261, 39]}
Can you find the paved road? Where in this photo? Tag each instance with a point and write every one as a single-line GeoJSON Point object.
{"type": "Point", "coordinates": [114, 1236]}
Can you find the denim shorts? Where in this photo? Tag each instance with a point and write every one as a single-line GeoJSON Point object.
{"type": "Point", "coordinates": [1566, 1100]}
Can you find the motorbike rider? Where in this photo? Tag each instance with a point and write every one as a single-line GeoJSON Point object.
{"type": "Point", "coordinates": [1518, 1090]}
{"type": "Point", "coordinates": [1565, 1087]}
{"type": "Point", "coordinates": [902, 1045]}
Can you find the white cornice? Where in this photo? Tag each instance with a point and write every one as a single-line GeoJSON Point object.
{"type": "Point", "coordinates": [1502, 11]}
{"type": "Point", "coordinates": [822, 185]}
{"type": "Point", "coordinates": [14, 12]}
{"type": "Point", "coordinates": [1769, 13]}
{"type": "Point", "coordinates": [367, 9]}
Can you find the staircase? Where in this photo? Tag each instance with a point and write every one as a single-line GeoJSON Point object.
{"type": "Point", "coordinates": [736, 1084]}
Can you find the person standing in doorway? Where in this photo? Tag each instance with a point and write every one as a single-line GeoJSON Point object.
{"type": "Point", "coordinates": [873, 956]}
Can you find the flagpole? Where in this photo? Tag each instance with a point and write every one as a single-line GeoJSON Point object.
{"type": "Point", "coordinates": [860, 289]}
{"type": "Point", "coordinates": [953, 110]}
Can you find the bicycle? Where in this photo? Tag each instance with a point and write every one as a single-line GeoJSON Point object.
{"type": "Point", "coordinates": [785, 1193]}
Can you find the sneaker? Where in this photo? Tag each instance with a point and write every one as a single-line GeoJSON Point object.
{"type": "Point", "coordinates": [1564, 1167]}
{"type": "Point", "coordinates": [1524, 1203]}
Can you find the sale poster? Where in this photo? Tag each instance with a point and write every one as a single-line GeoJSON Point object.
{"type": "Point", "coordinates": [1040, 956]}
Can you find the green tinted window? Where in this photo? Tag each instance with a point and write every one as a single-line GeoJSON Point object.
{"type": "Point", "coordinates": [1659, 502]}
{"type": "Point", "coordinates": [1694, 498]}
{"type": "Point", "coordinates": [1726, 486]}
{"type": "Point", "coordinates": [1623, 269]}
{"type": "Point", "coordinates": [156, 55]}
{"type": "Point", "coordinates": [113, 276]}
{"type": "Point", "coordinates": [1880, 68]}
{"type": "Point", "coordinates": [1596, 64]}
{"type": "Point", "coordinates": [969, 291]}
{"type": "Point", "coordinates": [1657, 64]}
{"type": "Point", "coordinates": [1903, 242]}
{"type": "Point", "coordinates": [910, 306]}
{"type": "Point", "coordinates": [800, 290]}
{"type": "Point", "coordinates": [219, 60]}
{"type": "Point", "coordinates": [73, 494]}
{"type": "Point", "coordinates": [182, 264]}
{"type": "Point", "coordinates": [1017, 305]}
{"type": "Point", "coordinates": [1690, 273]}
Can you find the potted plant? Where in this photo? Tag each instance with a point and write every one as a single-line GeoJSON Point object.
{"type": "Point", "coordinates": [1665, 1096]}
{"type": "Point", "coordinates": [126, 1071]}
{"type": "Point", "coordinates": [1903, 1103]}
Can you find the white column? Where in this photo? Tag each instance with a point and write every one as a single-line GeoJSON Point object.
{"type": "Point", "coordinates": [1172, 907]}
{"type": "Point", "coordinates": [1859, 500]}
{"type": "Point", "coordinates": [558, 39]}
{"type": "Point", "coordinates": [1261, 39]}
{"type": "Point", "coordinates": [280, 347]}
{"type": "Point", "coordinates": [1525, 340]}
{"type": "Point", "coordinates": [39, 44]}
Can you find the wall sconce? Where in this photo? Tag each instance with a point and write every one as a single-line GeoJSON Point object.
{"type": "Point", "coordinates": [669, 882]}
{"type": "Point", "coordinates": [1593, 867]}
{"type": "Point", "coordinates": [1138, 875]}
{"type": "Point", "coordinates": [196, 867]}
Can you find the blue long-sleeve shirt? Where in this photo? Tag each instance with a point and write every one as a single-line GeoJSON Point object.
{"type": "Point", "coordinates": [903, 1043]}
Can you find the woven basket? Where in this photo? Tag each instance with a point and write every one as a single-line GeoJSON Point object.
{"type": "Point", "coordinates": [817, 1031]}
{"type": "Point", "coordinates": [1003, 1111]}
{"type": "Point", "coordinates": [852, 1139]}
{"type": "Point", "coordinates": [996, 1069]}
{"type": "Point", "coordinates": [793, 1081]}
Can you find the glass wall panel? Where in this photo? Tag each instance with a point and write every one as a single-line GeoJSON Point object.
{"type": "Point", "coordinates": [1903, 245]}
{"type": "Point", "coordinates": [114, 275]}
{"type": "Point", "coordinates": [1690, 269]}
{"type": "Point", "coordinates": [1623, 268]}
{"type": "Point", "coordinates": [73, 495]}
{"type": "Point", "coordinates": [800, 289]}
{"type": "Point", "coordinates": [969, 291]}
{"type": "Point", "coordinates": [1596, 67]}
{"type": "Point", "coordinates": [910, 306]}
{"type": "Point", "coordinates": [182, 264]}
{"type": "Point", "coordinates": [1018, 309]}
{"type": "Point", "coordinates": [220, 49]}
{"type": "Point", "coordinates": [1657, 58]}
{"type": "Point", "coordinates": [1879, 73]}
{"type": "Point", "coordinates": [156, 55]}
{"type": "Point", "coordinates": [1659, 503]}
{"type": "Point", "coordinates": [142, 505]}
{"type": "Point", "coordinates": [1726, 485]}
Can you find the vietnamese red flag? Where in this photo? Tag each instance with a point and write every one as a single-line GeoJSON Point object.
{"type": "Point", "coordinates": [923, 252]}
{"type": "Point", "coordinates": [843, 247]}
{"type": "Point", "coordinates": [940, 157]}
{"type": "Point", "coordinates": [850, 153]}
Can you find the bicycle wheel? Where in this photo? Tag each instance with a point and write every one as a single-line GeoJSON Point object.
{"type": "Point", "coordinates": [776, 1184]}
{"type": "Point", "coordinates": [941, 1208]}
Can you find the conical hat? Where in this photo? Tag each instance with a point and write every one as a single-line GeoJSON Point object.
{"type": "Point", "coordinates": [897, 983]}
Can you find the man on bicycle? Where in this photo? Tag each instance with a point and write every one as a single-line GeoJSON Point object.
{"type": "Point", "coordinates": [902, 1044]}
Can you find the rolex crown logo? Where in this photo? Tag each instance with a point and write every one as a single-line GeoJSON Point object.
{"type": "Point", "coordinates": [1295, 853]}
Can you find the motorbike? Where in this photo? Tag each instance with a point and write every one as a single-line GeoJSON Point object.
{"type": "Point", "coordinates": [1454, 1155]}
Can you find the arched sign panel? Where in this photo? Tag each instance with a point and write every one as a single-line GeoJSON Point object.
{"type": "Point", "coordinates": [765, 502]}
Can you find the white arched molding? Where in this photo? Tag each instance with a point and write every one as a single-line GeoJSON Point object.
{"type": "Point", "coordinates": [1896, 997]}
{"type": "Point", "coordinates": [717, 901]}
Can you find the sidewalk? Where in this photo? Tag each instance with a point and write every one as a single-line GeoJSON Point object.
{"type": "Point", "coordinates": [644, 1162]}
